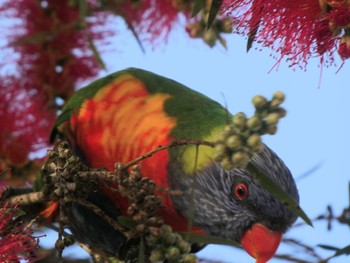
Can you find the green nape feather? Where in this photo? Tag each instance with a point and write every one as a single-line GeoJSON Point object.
{"type": "Point", "coordinates": [196, 114]}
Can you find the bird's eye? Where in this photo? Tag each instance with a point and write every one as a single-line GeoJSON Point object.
{"type": "Point", "coordinates": [241, 191]}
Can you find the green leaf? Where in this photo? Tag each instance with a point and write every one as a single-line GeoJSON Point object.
{"type": "Point", "coordinates": [345, 250]}
{"type": "Point", "coordinates": [251, 38]}
{"type": "Point", "coordinates": [278, 192]}
{"type": "Point", "coordinates": [142, 251]}
{"type": "Point", "coordinates": [328, 247]}
{"type": "Point", "coordinates": [198, 5]}
{"type": "Point", "coordinates": [83, 9]}
{"type": "Point", "coordinates": [95, 51]}
{"type": "Point", "coordinates": [20, 212]}
{"type": "Point", "coordinates": [10, 210]}
{"type": "Point", "coordinates": [222, 42]}
{"type": "Point", "coordinates": [214, 9]}
{"type": "Point", "coordinates": [253, 29]}
{"type": "Point", "coordinates": [38, 38]}
{"type": "Point", "coordinates": [208, 239]}
{"type": "Point", "coordinates": [339, 251]}
{"type": "Point", "coordinates": [135, 34]}
{"type": "Point", "coordinates": [127, 222]}
{"type": "Point", "coordinates": [349, 194]}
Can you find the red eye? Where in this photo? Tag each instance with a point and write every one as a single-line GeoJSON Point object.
{"type": "Point", "coordinates": [241, 191]}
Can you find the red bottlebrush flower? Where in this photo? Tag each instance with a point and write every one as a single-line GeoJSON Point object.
{"type": "Point", "coordinates": [344, 47]}
{"type": "Point", "coordinates": [154, 19]}
{"type": "Point", "coordinates": [52, 41]}
{"type": "Point", "coordinates": [25, 120]}
{"type": "Point", "coordinates": [297, 30]}
{"type": "Point", "coordinates": [339, 16]}
{"type": "Point", "coordinates": [51, 53]}
{"type": "Point", "coordinates": [332, 3]}
{"type": "Point", "coordinates": [323, 37]}
{"type": "Point", "coordinates": [16, 240]}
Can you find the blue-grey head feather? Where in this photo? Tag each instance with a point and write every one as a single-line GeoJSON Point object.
{"type": "Point", "coordinates": [207, 197]}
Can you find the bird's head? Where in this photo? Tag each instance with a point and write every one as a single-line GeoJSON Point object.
{"type": "Point", "coordinates": [232, 205]}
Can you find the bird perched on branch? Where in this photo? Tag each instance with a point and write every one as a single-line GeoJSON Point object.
{"type": "Point", "coordinates": [131, 112]}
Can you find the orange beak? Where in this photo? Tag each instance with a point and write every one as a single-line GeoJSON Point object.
{"type": "Point", "coordinates": [261, 242]}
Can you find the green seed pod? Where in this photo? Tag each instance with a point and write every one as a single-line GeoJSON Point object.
{"type": "Point", "coordinates": [254, 142]}
{"type": "Point", "coordinates": [166, 229]}
{"type": "Point", "coordinates": [190, 258]}
{"type": "Point", "coordinates": [275, 103]}
{"type": "Point", "coordinates": [210, 37]}
{"type": "Point", "coordinates": [272, 130]}
{"type": "Point", "coordinates": [157, 255]}
{"type": "Point", "coordinates": [151, 221]}
{"type": "Point", "coordinates": [239, 120]}
{"type": "Point", "coordinates": [228, 130]}
{"type": "Point", "coordinates": [272, 118]}
{"type": "Point", "coordinates": [169, 238]}
{"type": "Point", "coordinates": [71, 186]}
{"type": "Point", "coordinates": [195, 30]}
{"type": "Point", "coordinates": [281, 112]}
{"type": "Point", "coordinates": [140, 228]}
{"type": "Point", "coordinates": [135, 175]}
{"type": "Point", "coordinates": [58, 191]}
{"type": "Point", "coordinates": [220, 138]}
{"type": "Point", "coordinates": [68, 241]}
{"type": "Point", "coordinates": [254, 123]}
{"type": "Point", "coordinates": [155, 231]}
{"type": "Point", "coordinates": [151, 240]}
{"type": "Point", "coordinates": [233, 142]}
{"type": "Point", "coordinates": [220, 152]}
{"type": "Point", "coordinates": [66, 199]}
{"type": "Point", "coordinates": [278, 95]}
{"type": "Point", "coordinates": [277, 99]}
{"type": "Point", "coordinates": [172, 253]}
{"type": "Point", "coordinates": [240, 159]}
{"type": "Point", "coordinates": [259, 102]}
{"type": "Point", "coordinates": [184, 246]}
{"type": "Point", "coordinates": [178, 237]}
{"type": "Point", "coordinates": [227, 164]}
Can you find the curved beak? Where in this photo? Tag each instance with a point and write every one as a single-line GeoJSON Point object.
{"type": "Point", "coordinates": [260, 242]}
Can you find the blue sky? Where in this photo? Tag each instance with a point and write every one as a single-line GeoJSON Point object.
{"type": "Point", "coordinates": [314, 132]}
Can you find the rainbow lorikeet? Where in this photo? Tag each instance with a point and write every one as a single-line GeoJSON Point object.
{"type": "Point", "coordinates": [128, 113]}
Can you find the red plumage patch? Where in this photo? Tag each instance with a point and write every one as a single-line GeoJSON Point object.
{"type": "Point", "coordinates": [120, 123]}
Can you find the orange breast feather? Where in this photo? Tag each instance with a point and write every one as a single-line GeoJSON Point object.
{"type": "Point", "coordinates": [120, 123]}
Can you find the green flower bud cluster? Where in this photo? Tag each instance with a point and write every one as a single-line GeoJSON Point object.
{"type": "Point", "coordinates": [241, 139]}
{"type": "Point", "coordinates": [66, 179]}
{"type": "Point", "coordinates": [140, 191]}
{"type": "Point", "coordinates": [170, 246]}
{"type": "Point", "coordinates": [161, 242]}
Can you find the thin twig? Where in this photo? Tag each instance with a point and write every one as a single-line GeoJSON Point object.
{"type": "Point", "coordinates": [291, 258]}
{"type": "Point", "coordinates": [106, 217]}
{"type": "Point", "coordinates": [56, 229]}
{"type": "Point", "coordinates": [85, 247]}
{"type": "Point", "coordinates": [67, 235]}
{"type": "Point", "coordinates": [168, 146]}
{"type": "Point", "coordinates": [27, 199]}
{"type": "Point", "coordinates": [310, 250]}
